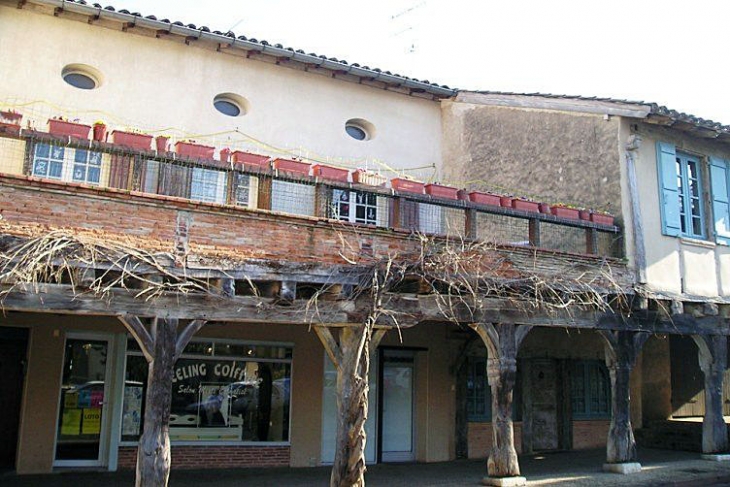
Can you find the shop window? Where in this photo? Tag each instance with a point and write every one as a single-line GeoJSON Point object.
{"type": "Point", "coordinates": [590, 390]}
{"type": "Point", "coordinates": [222, 391]}
{"type": "Point", "coordinates": [478, 393]}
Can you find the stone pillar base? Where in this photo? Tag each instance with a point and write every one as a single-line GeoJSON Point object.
{"type": "Point", "coordinates": [504, 481]}
{"type": "Point", "coordinates": [622, 468]}
{"type": "Point", "coordinates": [716, 457]}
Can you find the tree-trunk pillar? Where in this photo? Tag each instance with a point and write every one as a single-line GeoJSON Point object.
{"type": "Point", "coordinates": [502, 342]}
{"type": "Point", "coordinates": [153, 453]}
{"type": "Point", "coordinates": [501, 374]}
{"type": "Point", "coordinates": [622, 349]}
{"type": "Point", "coordinates": [352, 408]}
{"type": "Point", "coordinates": [713, 361]}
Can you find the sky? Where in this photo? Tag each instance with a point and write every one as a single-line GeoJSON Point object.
{"type": "Point", "coordinates": [672, 52]}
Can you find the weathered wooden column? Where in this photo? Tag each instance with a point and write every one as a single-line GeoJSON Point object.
{"type": "Point", "coordinates": [351, 357]}
{"type": "Point", "coordinates": [713, 361]}
{"type": "Point", "coordinates": [622, 349]}
{"type": "Point", "coordinates": [502, 342]}
{"type": "Point", "coordinates": [161, 346]}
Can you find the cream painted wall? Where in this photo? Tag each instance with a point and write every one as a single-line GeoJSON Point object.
{"type": "Point", "coordinates": [160, 83]}
{"type": "Point", "coordinates": [677, 265]}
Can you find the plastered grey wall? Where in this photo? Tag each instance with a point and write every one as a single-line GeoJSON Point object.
{"type": "Point", "coordinates": [548, 155]}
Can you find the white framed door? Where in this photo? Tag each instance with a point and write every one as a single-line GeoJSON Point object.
{"type": "Point", "coordinates": [82, 433]}
{"type": "Point", "coordinates": [397, 406]}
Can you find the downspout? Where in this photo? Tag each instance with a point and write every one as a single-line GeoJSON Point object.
{"type": "Point", "coordinates": [637, 228]}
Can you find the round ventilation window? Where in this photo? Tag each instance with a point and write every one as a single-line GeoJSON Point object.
{"type": "Point", "coordinates": [81, 76]}
{"type": "Point", "coordinates": [230, 104]}
{"type": "Point", "coordinates": [360, 129]}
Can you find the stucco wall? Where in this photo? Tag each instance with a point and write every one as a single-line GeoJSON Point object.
{"type": "Point", "coordinates": [679, 265]}
{"type": "Point", "coordinates": [159, 83]}
{"type": "Point", "coordinates": [550, 155]}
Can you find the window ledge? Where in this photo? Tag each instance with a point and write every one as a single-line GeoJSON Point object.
{"type": "Point", "coordinates": [697, 242]}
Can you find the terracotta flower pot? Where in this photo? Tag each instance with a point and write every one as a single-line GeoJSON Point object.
{"type": "Point", "coordinates": [194, 151]}
{"type": "Point", "coordinates": [602, 218]}
{"type": "Point", "coordinates": [565, 212]}
{"type": "Point", "coordinates": [132, 140]}
{"type": "Point", "coordinates": [506, 201]}
{"type": "Point", "coordinates": [525, 205]}
{"type": "Point", "coordinates": [100, 132]}
{"type": "Point", "coordinates": [68, 129]}
{"type": "Point", "coordinates": [441, 191]}
{"type": "Point", "coordinates": [329, 172]}
{"type": "Point", "coordinates": [406, 185]}
{"type": "Point", "coordinates": [288, 165]}
{"type": "Point", "coordinates": [361, 176]}
{"type": "Point", "coordinates": [485, 198]}
{"type": "Point", "coordinates": [250, 159]}
{"type": "Point", "coordinates": [161, 142]}
{"type": "Point", "coordinates": [545, 208]}
{"type": "Point", "coordinates": [584, 215]}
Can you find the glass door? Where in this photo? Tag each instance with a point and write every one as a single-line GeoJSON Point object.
{"type": "Point", "coordinates": [81, 433]}
{"type": "Point", "coordinates": [397, 407]}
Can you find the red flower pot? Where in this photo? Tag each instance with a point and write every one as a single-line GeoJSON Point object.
{"type": "Point", "coordinates": [68, 129]}
{"type": "Point", "coordinates": [100, 132]}
{"type": "Point", "coordinates": [132, 140]}
{"type": "Point", "coordinates": [565, 212]}
{"type": "Point", "coordinates": [406, 185]}
{"type": "Point", "coordinates": [440, 191]}
{"type": "Point", "coordinates": [251, 159]}
{"type": "Point", "coordinates": [11, 117]}
{"type": "Point", "coordinates": [602, 218]}
{"type": "Point", "coordinates": [161, 142]}
{"type": "Point", "coordinates": [545, 208]}
{"type": "Point", "coordinates": [525, 205]}
{"type": "Point", "coordinates": [194, 151]}
{"type": "Point", "coordinates": [224, 154]}
{"type": "Point", "coordinates": [288, 165]}
{"type": "Point", "coordinates": [506, 201]}
{"type": "Point", "coordinates": [329, 172]}
{"type": "Point", "coordinates": [9, 128]}
{"type": "Point", "coordinates": [484, 198]}
{"type": "Point", "coordinates": [584, 215]}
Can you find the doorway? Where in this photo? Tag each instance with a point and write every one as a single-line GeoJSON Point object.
{"type": "Point", "coordinates": [396, 406]}
{"type": "Point", "coordinates": [13, 348]}
{"type": "Point", "coordinates": [81, 437]}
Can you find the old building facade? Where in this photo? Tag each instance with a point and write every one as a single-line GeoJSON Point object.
{"type": "Point", "coordinates": [157, 172]}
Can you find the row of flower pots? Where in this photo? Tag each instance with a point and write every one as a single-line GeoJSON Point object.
{"type": "Point", "coordinates": [139, 141]}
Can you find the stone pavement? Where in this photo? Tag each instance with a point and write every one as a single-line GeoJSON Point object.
{"type": "Point", "coordinates": [583, 468]}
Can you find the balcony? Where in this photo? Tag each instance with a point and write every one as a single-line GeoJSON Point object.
{"type": "Point", "coordinates": [244, 181]}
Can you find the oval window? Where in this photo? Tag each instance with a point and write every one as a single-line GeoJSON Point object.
{"type": "Point", "coordinates": [230, 104]}
{"type": "Point", "coordinates": [359, 129]}
{"type": "Point", "coordinates": [355, 132]}
{"type": "Point", "coordinates": [81, 76]}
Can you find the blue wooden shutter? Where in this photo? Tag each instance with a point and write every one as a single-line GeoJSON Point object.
{"type": "Point", "coordinates": [720, 199]}
{"type": "Point", "coordinates": [668, 189]}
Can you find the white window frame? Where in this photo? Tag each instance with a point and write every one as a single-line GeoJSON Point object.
{"type": "Point", "coordinates": [354, 201]}
{"type": "Point", "coordinates": [206, 178]}
{"type": "Point", "coordinates": [68, 163]}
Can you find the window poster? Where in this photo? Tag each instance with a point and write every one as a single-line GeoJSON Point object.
{"type": "Point", "coordinates": [71, 422]}
{"type": "Point", "coordinates": [132, 410]}
{"type": "Point", "coordinates": [91, 421]}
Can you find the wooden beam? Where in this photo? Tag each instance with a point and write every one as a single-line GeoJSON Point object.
{"type": "Point", "coordinates": [330, 344]}
{"type": "Point", "coordinates": [183, 338]}
{"type": "Point", "coordinates": [140, 334]}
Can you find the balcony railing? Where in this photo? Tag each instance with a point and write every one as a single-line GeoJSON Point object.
{"type": "Point", "coordinates": [256, 182]}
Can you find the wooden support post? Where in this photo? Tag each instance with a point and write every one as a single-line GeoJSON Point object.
{"type": "Point", "coordinates": [622, 349]}
{"type": "Point", "coordinates": [534, 232]}
{"type": "Point", "coordinates": [266, 187]}
{"type": "Point", "coordinates": [161, 345]}
{"type": "Point", "coordinates": [713, 361]}
{"type": "Point", "coordinates": [351, 357]}
{"type": "Point", "coordinates": [502, 341]}
{"type": "Point", "coordinates": [322, 201]}
{"type": "Point", "coordinates": [470, 223]}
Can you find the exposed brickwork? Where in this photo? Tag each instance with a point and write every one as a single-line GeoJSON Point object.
{"type": "Point", "coordinates": [233, 235]}
{"type": "Point", "coordinates": [480, 439]}
{"type": "Point", "coordinates": [586, 435]}
{"type": "Point", "coordinates": [590, 434]}
{"type": "Point", "coordinates": [224, 456]}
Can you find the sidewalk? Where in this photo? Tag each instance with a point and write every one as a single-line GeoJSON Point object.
{"type": "Point", "coordinates": [660, 468]}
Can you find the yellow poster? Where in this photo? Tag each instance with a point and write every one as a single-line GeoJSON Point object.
{"type": "Point", "coordinates": [92, 421]}
{"type": "Point", "coordinates": [70, 400]}
{"type": "Point", "coordinates": [71, 422]}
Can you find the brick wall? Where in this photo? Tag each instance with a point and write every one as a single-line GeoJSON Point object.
{"type": "Point", "coordinates": [590, 434]}
{"type": "Point", "coordinates": [586, 435]}
{"type": "Point", "coordinates": [224, 456]}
